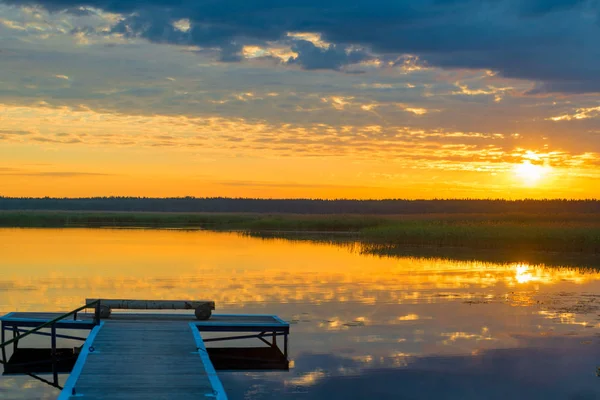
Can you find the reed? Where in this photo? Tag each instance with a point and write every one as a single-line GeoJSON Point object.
{"type": "Point", "coordinates": [217, 221]}
{"type": "Point", "coordinates": [563, 232]}
{"type": "Point", "coordinates": [576, 236]}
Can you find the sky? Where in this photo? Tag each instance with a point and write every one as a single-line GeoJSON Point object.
{"type": "Point", "coordinates": [300, 98]}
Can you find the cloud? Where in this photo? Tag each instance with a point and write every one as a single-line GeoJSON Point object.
{"type": "Point", "coordinates": [535, 8]}
{"type": "Point", "coordinates": [291, 185]}
{"type": "Point", "coordinates": [80, 11]}
{"type": "Point", "coordinates": [65, 174]}
{"type": "Point", "coordinates": [414, 110]}
{"type": "Point", "coordinates": [580, 113]}
{"type": "Point", "coordinates": [333, 57]}
{"type": "Point", "coordinates": [51, 140]}
{"type": "Point", "coordinates": [58, 174]}
{"type": "Point", "coordinates": [15, 132]}
{"type": "Point", "coordinates": [546, 41]}
{"type": "Point", "coordinates": [405, 147]}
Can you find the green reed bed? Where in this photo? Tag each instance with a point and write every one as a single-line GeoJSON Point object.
{"type": "Point", "coordinates": [37, 219]}
{"type": "Point", "coordinates": [564, 233]}
{"type": "Point", "coordinates": [217, 221]}
{"type": "Point", "coordinates": [580, 236]}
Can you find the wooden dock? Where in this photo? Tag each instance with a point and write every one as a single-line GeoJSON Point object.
{"type": "Point", "coordinates": [143, 356]}
{"type": "Point", "coordinates": [135, 360]}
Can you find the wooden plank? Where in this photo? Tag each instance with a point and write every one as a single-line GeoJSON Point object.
{"type": "Point", "coordinates": [148, 355]}
{"type": "Point", "coordinates": [142, 318]}
{"type": "Point", "coordinates": [218, 389]}
{"type": "Point", "coordinates": [79, 364]}
{"type": "Point", "coordinates": [146, 360]}
{"type": "Point", "coordinates": [124, 304]}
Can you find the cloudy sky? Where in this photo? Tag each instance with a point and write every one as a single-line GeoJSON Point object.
{"type": "Point", "coordinates": [300, 98]}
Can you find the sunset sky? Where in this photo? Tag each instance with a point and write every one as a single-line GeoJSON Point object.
{"type": "Point", "coordinates": [300, 98]}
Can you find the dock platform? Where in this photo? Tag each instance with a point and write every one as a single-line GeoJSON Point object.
{"type": "Point", "coordinates": [150, 355]}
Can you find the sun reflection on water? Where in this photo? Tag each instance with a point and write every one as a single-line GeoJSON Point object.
{"type": "Point", "coordinates": [64, 267]}
{"type": "Point", "coordinates": [367, 312]}
{"type": "Point", "coordinates": [523, 274]}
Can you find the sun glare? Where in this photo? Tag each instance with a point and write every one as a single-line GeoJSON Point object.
{"type": "Point", "coordinates": [530, 173]}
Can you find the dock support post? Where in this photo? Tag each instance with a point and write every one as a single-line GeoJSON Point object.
{"type": "Point", "coordinates": [53, 352]}
{"type": "Point", "coordinates": [4, 361]}
{"type": "Point", "coordinates": [97, 313]}
{"type": "Point", "coordinates": [16, 342]}
{"type": "Point", "coordinates": [285, 345]}
{"type": "Point", "coordinates": [274, 339]}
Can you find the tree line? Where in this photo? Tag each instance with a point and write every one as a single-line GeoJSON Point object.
{"type": "Point", "coordinates": [300, 206]}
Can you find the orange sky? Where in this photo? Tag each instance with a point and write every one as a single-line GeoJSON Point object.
{"type": "Point", "coordinates": [182, 165]}
{"type": "Point", "coordinates": [99, 114]}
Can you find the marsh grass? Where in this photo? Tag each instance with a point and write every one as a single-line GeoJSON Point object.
{"type": "Point", "coordinates": [540, 235]}
{"type": "Point", "coordinates": [217, 221]}
{"type": "Point", "coordinates": [538, 232]}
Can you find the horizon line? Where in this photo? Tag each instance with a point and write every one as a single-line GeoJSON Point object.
{"type": "Point", "coordinates": [300, 198]}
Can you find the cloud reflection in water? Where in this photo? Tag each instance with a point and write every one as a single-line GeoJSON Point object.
{"type": "Point", "coordinates": [361, 325]}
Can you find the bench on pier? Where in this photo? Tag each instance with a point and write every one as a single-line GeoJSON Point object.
{"type": "Point", "coordinates": [202, 309]}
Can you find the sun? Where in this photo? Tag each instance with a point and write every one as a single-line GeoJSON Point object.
{"type": "Point", "coordinates": [530, 173]}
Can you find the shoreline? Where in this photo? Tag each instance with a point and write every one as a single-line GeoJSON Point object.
{"type": "Point", "coordinates": [563, 233]}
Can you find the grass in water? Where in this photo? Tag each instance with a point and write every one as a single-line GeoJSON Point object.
{"type": "Point", "coordinates": [531, 235]}
{"type": "Point", "coordinates": [564, 233]}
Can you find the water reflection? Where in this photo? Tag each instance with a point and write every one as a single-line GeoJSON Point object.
{"type": "Point", "coordinates": [359, 320]}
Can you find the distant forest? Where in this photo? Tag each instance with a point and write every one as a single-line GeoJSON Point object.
{"type": "Point", "coordinates": [300, 206]}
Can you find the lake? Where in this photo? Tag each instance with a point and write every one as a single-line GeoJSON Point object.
{"type": "Point", "coordinates": [362, 326]}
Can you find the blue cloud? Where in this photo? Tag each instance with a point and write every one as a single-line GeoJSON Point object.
{"type": "Point", "coordinates": [551, 42]}
{"type": "Point", "coordinates": [333, 57]}
{"type": "Point", "coordinates": [540, 7]}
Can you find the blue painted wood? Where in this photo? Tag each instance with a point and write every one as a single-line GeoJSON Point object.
{"type": "Point", "coordinates": [157, 359]}
{"type": "Point", "coordinates": [280, 320]}
{"type": "Point", "coordinates": [58, 335]}
{"type": "Point", "coordinates": [64, 325]}
{"type": "Point", "coordinates": [242, 328]}
{"type": "Point", "coordinates": [67, 391]}
{"type": "Point", "coordinates": [137, 354]}
{"type": "Point", "coordinates": [219, 390]}
{"type": "Point", "coordinates": [33, 319]}
{"type": "Point", "coordinates": [218, 322]}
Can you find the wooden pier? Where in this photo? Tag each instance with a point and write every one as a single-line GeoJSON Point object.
{"type": "Point", "coordinates": [143, 356]}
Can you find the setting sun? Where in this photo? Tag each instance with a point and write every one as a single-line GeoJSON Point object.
{"type": "Point", "coordinates": [530, 173]}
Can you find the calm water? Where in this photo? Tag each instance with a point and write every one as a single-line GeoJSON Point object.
{"type": "Point", "coordinates": [362, 326]}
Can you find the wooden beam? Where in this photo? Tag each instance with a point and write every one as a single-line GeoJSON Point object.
{"type": "Point", "coordinates": [124, 304]}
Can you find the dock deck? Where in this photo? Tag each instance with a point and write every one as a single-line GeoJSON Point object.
{"type": "Point", "coordinates": [144, 355]}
